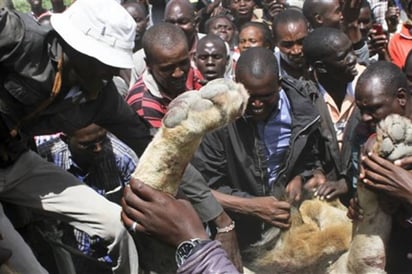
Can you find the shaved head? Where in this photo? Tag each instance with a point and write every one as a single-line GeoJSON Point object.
{"type": "Point", "coordinates": [162, 35]}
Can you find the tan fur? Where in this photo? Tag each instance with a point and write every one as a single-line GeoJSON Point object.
{"type": "Point", "coordinates": [320, 232]}
{"type": "Point", "coordinates": [189, 117]}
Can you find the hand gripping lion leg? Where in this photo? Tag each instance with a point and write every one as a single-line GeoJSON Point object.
{"type": "Point", "coordinates": [393, 141]}
{"type": "Point", "coordinates": [189, 117]}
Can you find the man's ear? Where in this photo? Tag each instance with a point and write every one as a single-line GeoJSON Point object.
{"type": "Point", "coordinates": [402, 96]}
{"type": "Point", "coordinates": [318, 19]}
{"type": "Point", "coordinates": [319, 67]}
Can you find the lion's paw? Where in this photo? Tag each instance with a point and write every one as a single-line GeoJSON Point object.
{"type": "Point", "coordinates": [214, 105]}
{"type": "Point", "coordinates": [393, 137]}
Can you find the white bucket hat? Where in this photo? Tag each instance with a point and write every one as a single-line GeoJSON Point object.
{"type": "Point", "coordinates": [102, 29]}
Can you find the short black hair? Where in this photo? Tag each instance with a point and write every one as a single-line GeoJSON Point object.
{"type": "Point", "coordinates": [267, 34]}
{"type": "Point", "coordinates": [319, 44]}
{"type": "Point", "coordinates": [213, 18]}
{"type": "Point", "coordinates": [311, 8]}
{"type": "Point", "coordinates": [164, 35]}
{"type": "Point", "coordinates": [389, 75]}
{"type": "Point", "coordinates": [285, 17]}
{"type": "Point", "coordinates": [257, 62]}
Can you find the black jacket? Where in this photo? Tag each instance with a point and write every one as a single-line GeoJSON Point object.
{"type": "Point", "coordinates": [232, 159]}
{"type": "Point", "coordinates": [28, 65]}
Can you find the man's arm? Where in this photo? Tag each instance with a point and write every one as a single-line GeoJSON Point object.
{"type": "Point", "coordinates": [118, 118]}
{"type": "Point", "coordinates": [145, 206]}
{"type": "Point", "coordinates": [268, 208]}
{"type": "Point", "coordinates": [350, 12]}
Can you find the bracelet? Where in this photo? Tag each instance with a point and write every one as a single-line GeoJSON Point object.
{"type": "Point", "coordinates": [226, 228]}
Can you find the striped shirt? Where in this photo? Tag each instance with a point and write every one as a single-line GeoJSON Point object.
{"type": "Point", "coordinates": [107, 176]}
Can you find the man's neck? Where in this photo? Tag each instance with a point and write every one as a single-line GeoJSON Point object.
{"type": "Point", "coordinates": [335, 88]}
{"type": "Point", "coordinates": [295, 72]}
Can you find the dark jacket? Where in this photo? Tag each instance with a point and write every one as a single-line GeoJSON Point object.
{"type": "Point", "coordinates": [210, 259]}
{"type": "Point", "coordinates": [337, 163]}
{"type": "Point", "coordinates": [28, 63]}
{"type": "Point", "coordinates": [232, 159]}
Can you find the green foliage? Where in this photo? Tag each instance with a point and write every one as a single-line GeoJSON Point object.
{"type": "Point", "coordinates": [23, 5]}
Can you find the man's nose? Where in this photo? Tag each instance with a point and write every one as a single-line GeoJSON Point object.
{"type": "Point", "coordinates": [178, 72]}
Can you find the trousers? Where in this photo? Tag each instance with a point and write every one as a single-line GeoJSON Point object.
{"type": "Point", "coordinates": [35, 183]}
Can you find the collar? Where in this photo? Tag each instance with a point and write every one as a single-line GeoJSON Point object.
{"type": "Point", "coordinates": [152, 86]}
{"type": "Point", "coordinates": [349, 90]}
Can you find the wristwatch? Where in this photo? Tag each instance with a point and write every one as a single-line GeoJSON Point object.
{"type": "Point", "coordinates": [187, 248]}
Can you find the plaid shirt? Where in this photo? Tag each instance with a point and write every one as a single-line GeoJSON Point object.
{"type": "Point", "coordinates": [109, 174]}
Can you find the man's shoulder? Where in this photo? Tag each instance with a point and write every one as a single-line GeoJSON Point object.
{"type": "Point", "coordinates": [121, 150]}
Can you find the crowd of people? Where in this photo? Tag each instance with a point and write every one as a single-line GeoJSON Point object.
{"type": "Point", "coordinates": [84, 88]}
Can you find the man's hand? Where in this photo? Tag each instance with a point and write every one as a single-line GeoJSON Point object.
{"type": "Point", "coordinates": [294, 189]}
{"type": "Point", "coordinates": [274, 7]}
{"type": "Point", "coordinates": [271, 210]}
{"type": "Point", "coordinates": [351, 10]}
{"type": "Point", "coordinates": [317, 179]}
{"type": "Point", "coordinates": [159, 214]}
{"type": "Point", "coordinates": [380, 174]}
{"type": "Point", "coordinates": [355, 212]}
{"type": "Point", "coordinates": [378, 44]}
{"type": "Point", "coordinates": [331, 189]}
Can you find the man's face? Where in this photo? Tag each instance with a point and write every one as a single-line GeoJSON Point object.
{"type": "Point", "coordinates": [211, 59]}
{"type": "Point", "coordinates": [250, 37]}
{"type": "Point", "coordinates": [223, 28]}
{"type": "Point", "coordinates": [341, 64]}
{"type": "Point", "coordinates": [35, 4]}
{"type": "Point", "coordinates": [332, 17]}
{"type": "Point", "coordinates": [242, 9]}
{"type": "Point", "coordinates": [264, 95]}
{"type": "Point", "coordinates": [182, 17]}
{"type": "Point", "coordinates": [90, 73]}
{"type": "Point", "coordinates": [87, 144]}
{"type": "Point", "coordinates": [169, 68]}
{"type": "Point", "coordinates": [365, 21]}
{"type": "Point", "coordinates": [290, 42]}
{"type": "Point", "coordinates": [375, 103]}
{"type": "Point", "coordinates": [140, 19]}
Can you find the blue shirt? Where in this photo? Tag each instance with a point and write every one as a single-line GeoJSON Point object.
{"type": "Point", "coordinates": [275, 134]}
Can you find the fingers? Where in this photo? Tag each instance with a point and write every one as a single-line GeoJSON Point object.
{"type": "Point", "coordinates": [404, 162]}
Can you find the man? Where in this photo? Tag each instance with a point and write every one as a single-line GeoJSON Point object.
{"type": "Point", "coordinates": [139, 13]}
{"type": "Point", "coordinates": [340, 15]}
{"type": "Point", "coordinates": [211, 59]}
{"type": "Point", "coordinates": [401, 42]}
{"type": "Point", "coordinates": [168, 62]}
{"type": "Point", "coordinates": [329, 52]}
{"type": "Point", "coordinates": [36, 8]}
{"type": "Point", "coordinates": [57, 80]}
{"type": "Point", "coordinates": [182, 14]}
{"type": "Point", "coordinates": [382, 90]}
{"type": "Point", "coordinates": [254, 34]}
{"type": "Point", "coordinates": [251, 162]}
{"type": "Point", "coordinates": [373, 33]}
{"type": "Point", "coordinates": [242, 11]}
{"type": "Point", "coordinates": [289, 28]}
{"type": "Point", "coordinates": [99, 160]}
